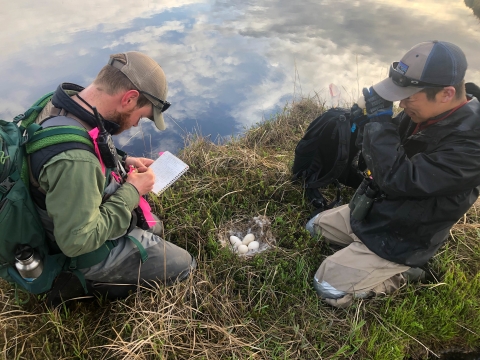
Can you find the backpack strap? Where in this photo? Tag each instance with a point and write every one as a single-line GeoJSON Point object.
{"type": "Point", "coordinates": [29, 116]}
{"type": "Point", "coordinates": [472, 89]}
{"type": "Point", "coordinates": [96, 256]}
{"type": "Point", "coordinates": [320, 202]}
{"type": "Point", "coordinates": [92, 258]}
{"type": "Point", "coordinates": [49, 140]}
{"type": "Point", "coordinates": [35, 164]}
{"type": "Point", "coordinates": [57, 135]}
{"type": "Point", "coordinates": [141, 249]}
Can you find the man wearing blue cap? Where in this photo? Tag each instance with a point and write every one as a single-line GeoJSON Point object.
{"type": "Point", "coordinates": [423, 175]}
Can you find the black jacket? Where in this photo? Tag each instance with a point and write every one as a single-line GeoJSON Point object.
{"type": "Point", "coordinates": [430, 180]}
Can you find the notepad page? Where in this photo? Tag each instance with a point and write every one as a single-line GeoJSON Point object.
{"type": "Point", "coordinates": [167, 168]}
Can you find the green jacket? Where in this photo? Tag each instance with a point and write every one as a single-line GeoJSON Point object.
{"type": "Point", "coordinates": [74, 183]}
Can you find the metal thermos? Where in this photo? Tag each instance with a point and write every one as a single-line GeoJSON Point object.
{"type": "Point", "coordinates": [28, 262]}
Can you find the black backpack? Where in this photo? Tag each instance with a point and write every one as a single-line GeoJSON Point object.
{"type": "Point", "coordinates": [325, 155]}
{"type": "Point", "coordinates": [473, 89]}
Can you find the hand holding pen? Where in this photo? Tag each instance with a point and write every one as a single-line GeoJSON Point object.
{"type": "Point", "coordinates": [140, 175]}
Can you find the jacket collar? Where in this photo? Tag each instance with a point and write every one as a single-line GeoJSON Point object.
{"type": "Point", "coordinates": [62, 99]}
{"type": "Point", "coordinates": [465, 119]}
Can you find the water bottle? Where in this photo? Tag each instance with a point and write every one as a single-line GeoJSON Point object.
{"type": "Point", "coordinates": [364, 203]}
{"type": "Point", "coordinates": [28, 263]}
{"type": "Point", "coordinates": [358, 193]}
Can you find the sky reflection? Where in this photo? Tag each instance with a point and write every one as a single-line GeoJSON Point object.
{"type": "Point", "coordinates": [229, 64]}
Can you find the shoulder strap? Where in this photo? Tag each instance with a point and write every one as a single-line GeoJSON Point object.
{"type": "Point", "coordinates": [57, 135]}
{"type": "Point", "coordinates": [473, 89]}
{"type": "Point", "coordinates": [29, 116]}
{"type": "Point", "coordinates": [49, 141]}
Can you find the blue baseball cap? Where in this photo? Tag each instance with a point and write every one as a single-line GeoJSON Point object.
{"type": "Point", "coordinates": [428, 64]}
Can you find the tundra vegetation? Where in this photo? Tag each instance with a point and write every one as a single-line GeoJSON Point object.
{"type": "Point", "coordinates": [264, 307]}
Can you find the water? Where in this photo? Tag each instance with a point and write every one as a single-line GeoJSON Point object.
{"type": "Point", "coordinates": [229, 64]}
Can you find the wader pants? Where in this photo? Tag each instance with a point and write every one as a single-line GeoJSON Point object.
{"type": "Point", "coordinates": [122, 269]}
{"type": "Point", "coordinates": [353, 271]}
{"type": "Point", "coordinates": [166, 262]}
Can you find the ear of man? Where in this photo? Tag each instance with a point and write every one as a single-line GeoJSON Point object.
{"type": "Point", "coordinates": [129, 99]}
{"type": "Point", "coordinates": [447, 95]}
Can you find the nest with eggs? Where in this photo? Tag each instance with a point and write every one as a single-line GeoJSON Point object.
{"type": "Point", "coordinates": [258, 226]}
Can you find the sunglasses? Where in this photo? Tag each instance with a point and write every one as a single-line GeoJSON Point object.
{"type": "Point", "coordinates": [401, 80]}
{"type": "Point", "coordinates": [165, 104]}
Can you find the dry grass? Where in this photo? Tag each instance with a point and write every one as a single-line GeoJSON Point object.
{"type": "Point", "coordinates": [262, 308]}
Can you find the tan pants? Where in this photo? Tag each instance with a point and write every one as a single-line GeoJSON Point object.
{"type": "Point", "coordinates": [354, 271]}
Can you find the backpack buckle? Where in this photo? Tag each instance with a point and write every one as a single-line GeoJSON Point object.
{"type": "Point", "coordinates": [73, 263]}
{"type": "Point", "coordinates": [18, 118]}
{"type": "Point", "coordinates": [24, 137]}
{"type": "Point", "coordinates": [6, 185]}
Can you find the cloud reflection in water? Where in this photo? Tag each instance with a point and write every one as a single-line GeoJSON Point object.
{"type": "Point", "coordinates": [229, 64]}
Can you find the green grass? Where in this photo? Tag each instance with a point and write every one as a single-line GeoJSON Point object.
{"type": "Point", "coordinates": [265, 307]}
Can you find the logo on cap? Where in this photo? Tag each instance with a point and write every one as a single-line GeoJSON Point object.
{"type": "Point", "coordinates": [402, 68]}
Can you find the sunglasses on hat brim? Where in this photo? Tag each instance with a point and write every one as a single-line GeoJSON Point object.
{"type": "Point", "coordinates": [401, 80]}
{"type": "Point", "coordinates": [165, 104]}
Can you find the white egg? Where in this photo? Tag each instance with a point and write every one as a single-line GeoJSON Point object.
{"type": "Point", "coordinates": [234, 239]}
{"type": "Point", "coordinates": [248, 239]}
{"type": "Point", "coordinates": [242, 249]}
{"type": "Point", "coordinates": [253, 245]}
{"type": "Point", "coordinates": [236, 244]}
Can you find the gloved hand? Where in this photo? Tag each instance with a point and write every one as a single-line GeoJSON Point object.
{"type": "Point", "coordinates": [357, 116]}
{"type": "Point", "coordinates": [355, 112]}
{"type": "Point", "coordinates": [376, 105]}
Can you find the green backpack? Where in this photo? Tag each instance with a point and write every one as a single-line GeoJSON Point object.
{"type": "Point", "coordinates": [19, 221]}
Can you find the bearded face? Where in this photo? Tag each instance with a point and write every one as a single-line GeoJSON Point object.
{"type": "Point", "coordinates": [122, 120]}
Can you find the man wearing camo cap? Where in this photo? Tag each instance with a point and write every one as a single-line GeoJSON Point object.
{"type": "Point", "coordinates": [91, 224]}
